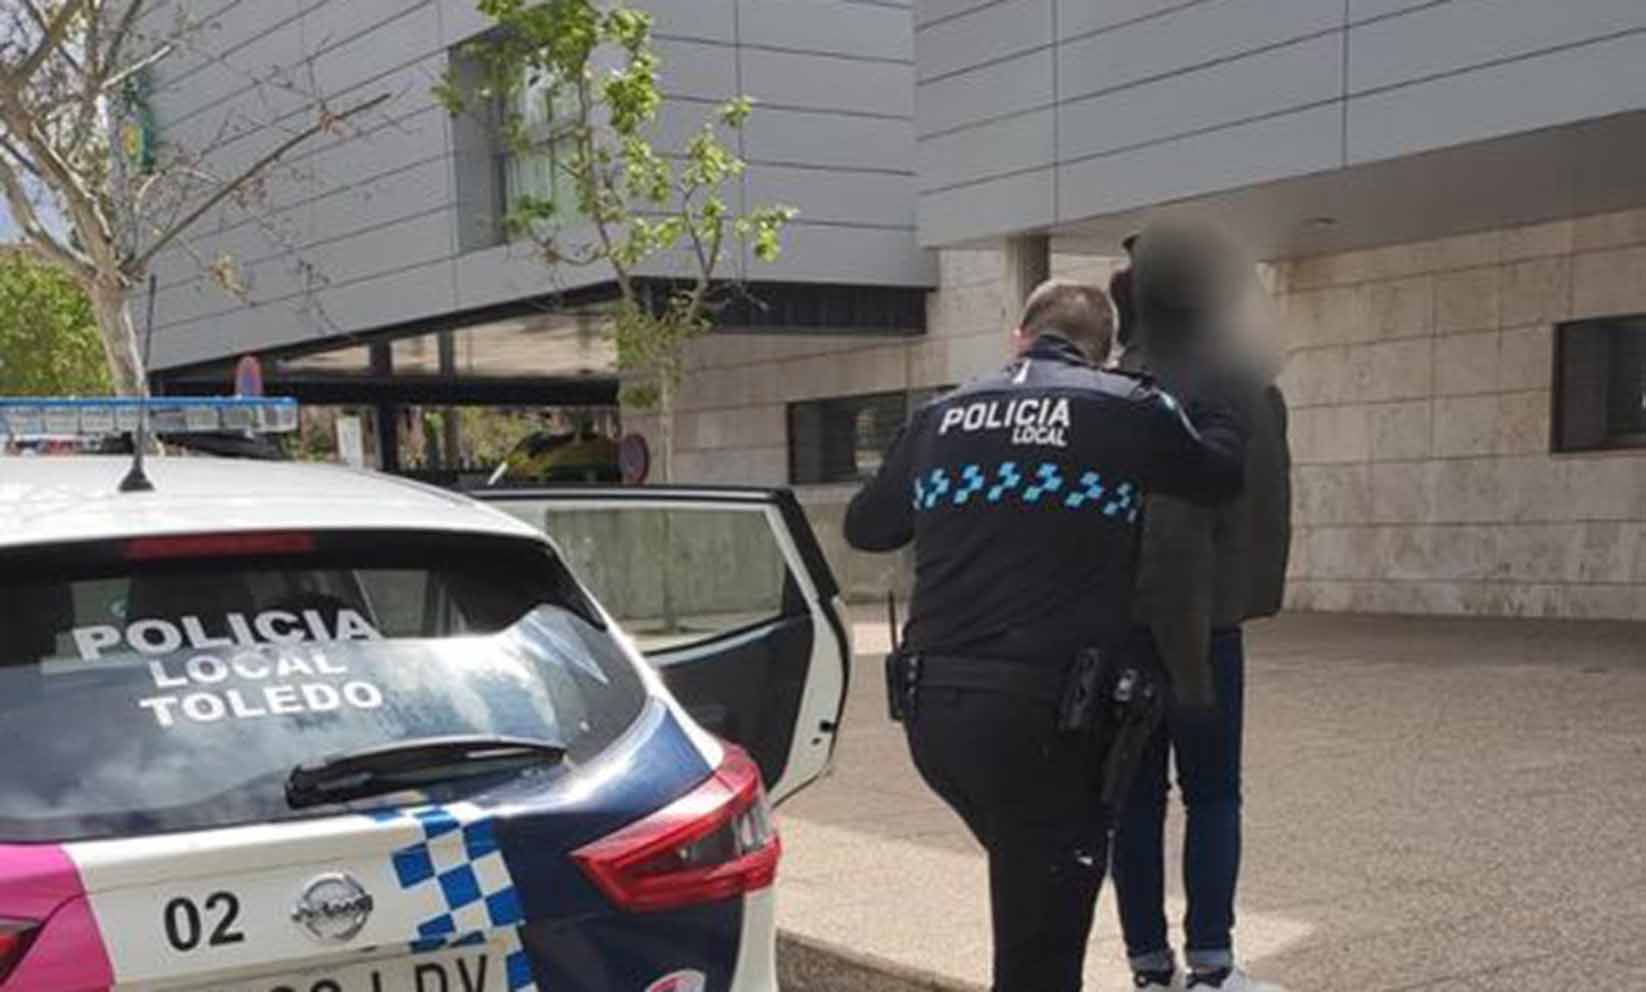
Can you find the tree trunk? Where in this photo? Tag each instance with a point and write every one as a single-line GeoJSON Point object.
{"type": "Point", "coordinates": [665, 427]}
{"type": "Point", "coordinates": [119, 338]}
{"type": "Point", "coordinates": [672, 566]}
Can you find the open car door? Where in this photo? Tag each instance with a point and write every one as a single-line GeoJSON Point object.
{"type": "Point", "coordinates": [729, 596]}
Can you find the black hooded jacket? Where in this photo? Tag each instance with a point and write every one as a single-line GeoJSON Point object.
{"type": "Point", "coordinates": [1204, 569]}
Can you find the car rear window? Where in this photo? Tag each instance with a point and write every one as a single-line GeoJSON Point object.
{"type": "Point", "coordinates": [167, 684]}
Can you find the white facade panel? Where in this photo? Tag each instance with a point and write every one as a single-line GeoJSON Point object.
{"type": "Point", "coordinates": [876, 31]}
{"type": "Point", "coordinates": [789, 80]}
{"type": "Point", "coordinates": [1591, 81]}
{"type": "Point", "coordinates": [1263, 151]}
{"type": "Point", "coordinates": [1013, 144]}
{"type": "Point", "coordinates": [1467, 34]}
{"type": "Point", "coordinates": [986, 34]}
{"type": "Point", "coordinates": [1186, 38]}
{"type": "Point", "coordinates": [1267, 83]}
{"type": "Point", "coordinates": [1014, 86]}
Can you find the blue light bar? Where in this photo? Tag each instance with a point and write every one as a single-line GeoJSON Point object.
{"type": "Point", "coordinates": [68, 419]}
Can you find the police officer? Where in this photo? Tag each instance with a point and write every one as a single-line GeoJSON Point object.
{"type": "Point", "coordinates": [1022, 492]}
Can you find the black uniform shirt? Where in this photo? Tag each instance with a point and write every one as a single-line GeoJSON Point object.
{"type": "Point", "coordinates": [1022, 492]}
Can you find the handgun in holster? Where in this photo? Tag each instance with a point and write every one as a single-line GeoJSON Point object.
{"type": "Point", "coordinates": [1119, 706]}
{"type": "Point", "coordinates": [1137, 701]}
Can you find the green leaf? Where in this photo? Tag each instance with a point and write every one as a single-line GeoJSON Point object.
{"type": "Point", "coordinates": [735, 111]}
{"type": "Point", "coordinates": [49, 341]}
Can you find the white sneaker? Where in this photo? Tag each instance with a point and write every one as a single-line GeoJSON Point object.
{"type": "Point", "coordinates": [1235, 981]}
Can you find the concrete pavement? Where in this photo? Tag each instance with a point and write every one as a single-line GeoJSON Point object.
{"type": "Point", "coordinates": [1431, 804]}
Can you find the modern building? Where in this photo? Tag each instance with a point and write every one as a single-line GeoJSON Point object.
{"type": "Point", "coordinates": [372, 266]}
{"type": "Point", "coordinates": [1446, 194]}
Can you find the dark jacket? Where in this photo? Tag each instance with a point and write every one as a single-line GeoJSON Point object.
{"type": "Point", "coordinates": [1022, 492]}
{"type": "Point", "coordinates": [1207, 569]}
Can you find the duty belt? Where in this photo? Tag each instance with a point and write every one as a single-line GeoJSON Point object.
{"type": "Point", "coordinates": [1014, 678]}
{"type": "Point", "coordinates": [908, 673]}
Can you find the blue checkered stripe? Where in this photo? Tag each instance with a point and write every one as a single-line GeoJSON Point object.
{"type": "Point", "coordinates": [457, 871]}
{"type": "Point", "coordinates": [1031, 485]}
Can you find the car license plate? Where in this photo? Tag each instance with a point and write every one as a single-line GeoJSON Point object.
{"type": "Point", "coordinates": [481, 968]}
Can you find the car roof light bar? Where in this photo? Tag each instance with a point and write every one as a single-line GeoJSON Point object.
{"type": "Point", "coordinates": [69, 419]}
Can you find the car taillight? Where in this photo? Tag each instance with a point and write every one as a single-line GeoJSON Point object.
{"type": "Point", "coordinates": [15, 938]}
{"type": "Point", "coordinates": [714, 843]}
{"type": "Point", "coordinates": [275, 542]}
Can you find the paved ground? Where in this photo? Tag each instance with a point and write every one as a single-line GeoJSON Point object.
{"type": "Point", "coordinates": [1442, 805]}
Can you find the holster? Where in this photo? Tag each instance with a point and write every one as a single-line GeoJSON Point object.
{"type": "Point", "coordinates": [1119, 705]}
{"type": "Point", "coordinates": [902, 685]}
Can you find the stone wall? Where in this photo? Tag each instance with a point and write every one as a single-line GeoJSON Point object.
{"type": "Point", "coordinates": [1420, 384]}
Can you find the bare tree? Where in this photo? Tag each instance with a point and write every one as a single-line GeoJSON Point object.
{"type": "Point", "coordinates": [63, 66]}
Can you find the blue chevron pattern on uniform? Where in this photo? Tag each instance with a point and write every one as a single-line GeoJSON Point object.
{"type": "Point", "coordinates": [1125, 501]}
{"type": "Point", "coordinates": [1091, 488]}
{"type": "Point", "coordinates": [1008, 480]}
{"type": "Point", "coordinates": [938, 486]}
{"type": "Point", "coordinates": [1050, 482]}
{"type": "Point", "coordinates": [972, 481]}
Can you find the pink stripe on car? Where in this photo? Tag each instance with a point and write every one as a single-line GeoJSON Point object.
{"type": "Point", "coordinates": [39, 882]}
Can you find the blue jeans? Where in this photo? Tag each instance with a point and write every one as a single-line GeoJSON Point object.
{"type": "Point", "coordinates": [1206, 743]}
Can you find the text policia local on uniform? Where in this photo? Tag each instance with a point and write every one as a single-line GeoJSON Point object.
{"type": "Point", "coordinates": [1037, 420]}
{"type": "Point", "coordinates": [260, 648]}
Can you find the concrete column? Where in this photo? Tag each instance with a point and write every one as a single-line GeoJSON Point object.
{"type": "Point", "coordinates": [1027, 262]}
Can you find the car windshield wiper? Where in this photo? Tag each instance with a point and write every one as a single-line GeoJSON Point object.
{"type": "Point", "coordinates": [412, 764]}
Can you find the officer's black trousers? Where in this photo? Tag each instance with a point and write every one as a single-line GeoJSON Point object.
{"type": "Point", "coordinates": [1027, 793]}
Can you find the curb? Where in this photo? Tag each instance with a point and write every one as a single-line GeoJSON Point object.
{"type": "Point", "coordinates": [805, 964]}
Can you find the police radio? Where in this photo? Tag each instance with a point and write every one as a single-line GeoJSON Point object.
{"type": "Point", "coordinates": [902, 671]}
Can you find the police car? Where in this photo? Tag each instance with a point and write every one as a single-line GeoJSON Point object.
{"type": "Point", "coordinates": [293, 728]}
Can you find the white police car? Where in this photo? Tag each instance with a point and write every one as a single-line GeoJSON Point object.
{"type": "Point", "coordinates": [292, 728]}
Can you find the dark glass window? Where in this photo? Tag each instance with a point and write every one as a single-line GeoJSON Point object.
{"type": "Point", "coordinates": [845, 438]}
{"type": "Point", "coordinates": [1600, 387]}
{"type": "Point", "coordinates": [194, 685]}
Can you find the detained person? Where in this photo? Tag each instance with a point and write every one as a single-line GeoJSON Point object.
{"type": "Point", "coordinates": [1203, 572]}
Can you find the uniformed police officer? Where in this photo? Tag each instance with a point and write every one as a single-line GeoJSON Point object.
{"type": "Point", "coordinates": [1022, 492]}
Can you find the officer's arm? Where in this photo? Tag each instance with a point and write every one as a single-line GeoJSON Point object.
{"type": "Point", "coordinates": [881, 515]}
{"type": "Point", "coordinates": [1199, 456]}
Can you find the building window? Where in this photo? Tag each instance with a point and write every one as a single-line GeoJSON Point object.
{"type": "Point", "coordinates": [541, 169]}
{"type": "Point", "coordinates": [493, 174]}
{"type": "Point", "coordinates": [845, 438]}
{"type": "Point", "coordinates": [1600, 384]}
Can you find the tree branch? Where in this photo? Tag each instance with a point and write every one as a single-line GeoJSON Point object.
{"type": "Point", "coordinates": [127, 21]}
{"type": "Point", "coordinates": [326, 121]}
{"type": "Point", "coordinates": [21, 159]}
{"type": "Point", "coordinates": [45, 26]}
{"type": "Point", "coordinates": [592, 183]}
{"type": "Point", "coordinates": [70, 185]}
{"type": "Point", "coordinates": [51, 39]}
{"type": "Point", "coordinates": [37, 237]}
{"type": "Point", "coordinates": [138, 66]}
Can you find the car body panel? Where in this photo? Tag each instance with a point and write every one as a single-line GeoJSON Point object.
{"type": "Point", "coordinates": [440, 875]}
{"type": "Point", "coordinates": [489, 874]}
{"type": "Point", "coordinates": [76, 498]}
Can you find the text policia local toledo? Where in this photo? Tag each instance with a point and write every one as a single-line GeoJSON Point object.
{"type": "Point", "coordinates": [276, 650]}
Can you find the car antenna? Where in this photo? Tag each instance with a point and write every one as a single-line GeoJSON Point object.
{"type": "Point", "coordinates": [136, 481]}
